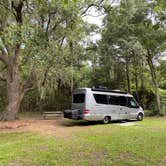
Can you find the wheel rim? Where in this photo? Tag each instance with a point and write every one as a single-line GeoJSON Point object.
{"type": "Point", "coordinates": [106, 120]}
{"type": "Point", "coordinates": [140, 117]}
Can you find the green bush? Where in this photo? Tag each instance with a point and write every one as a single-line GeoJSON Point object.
{"type": "Point", "coordinates": [163, 101]}
{"type": "Point", "coordinates": [145, 97]}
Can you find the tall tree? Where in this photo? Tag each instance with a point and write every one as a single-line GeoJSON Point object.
{"type": "Point", "coordinates": [152, 36]}
{"type": "Point", "coordinates": [11, 28]}
{"type": "Point", "coordinates": [30, 32]}
{"type": "Point", "coordinates": [134, 19]}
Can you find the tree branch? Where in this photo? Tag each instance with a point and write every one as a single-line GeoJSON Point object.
{"type": "Point", "coordinates": [4, 59]}
{"type": "Point", "coordinates": [98, 5]}
{"type": "Point", "coordinates": [2, 76]}
{"type": "Point", "coordinates": [5, 44]}
{"type": "Point", "coordinates": [29, 84]}
{"type": "Point", "coordinates": [48, 23]}
{"type": "Point", "coordinates": [18, 10]}
{"type": "Point", "coordinates": [56, 24]}
{"type": "Point", "coordinates": [50, 64]}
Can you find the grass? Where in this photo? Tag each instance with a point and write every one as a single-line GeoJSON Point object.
{"type": "Point", "coordinates": [30, 115]}
{"type": "Point", "coordinates": [143, 144]}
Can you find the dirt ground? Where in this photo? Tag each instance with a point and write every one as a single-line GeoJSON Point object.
{"type": "Point", "coordinates": [57, 127]}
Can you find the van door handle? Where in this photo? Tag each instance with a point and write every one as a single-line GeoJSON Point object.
{"type": "Point", "coordinates": [120, 108]}
{"type": "Point", "coordinates": [125, 112]}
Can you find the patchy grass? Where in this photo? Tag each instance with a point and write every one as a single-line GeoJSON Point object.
{"type": "Point", "coordinates": [112, 144]}
{"type": "Point", "coordinates": [27, 115]}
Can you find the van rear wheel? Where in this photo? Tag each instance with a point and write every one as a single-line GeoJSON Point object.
{"type": "Point", "coordinates": [106, 120]}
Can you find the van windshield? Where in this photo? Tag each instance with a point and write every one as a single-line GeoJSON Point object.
{"type": "Point", "coordinates": [132, 103]}
{"type": "Point", "coordinates": [79, 98]}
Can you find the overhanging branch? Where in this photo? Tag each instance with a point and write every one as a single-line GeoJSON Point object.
{"type": "Point", "coordinates": [98, 5]}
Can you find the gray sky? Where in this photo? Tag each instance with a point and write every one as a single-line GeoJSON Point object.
{"type": "Point", "coordinates": [93, 16]}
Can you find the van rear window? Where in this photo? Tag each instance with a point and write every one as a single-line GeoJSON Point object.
{"type": "Point", "coordinates": [79, 98]}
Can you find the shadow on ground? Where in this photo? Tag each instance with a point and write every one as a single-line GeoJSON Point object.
{"type": "Point", "coordinates": [71, 123]}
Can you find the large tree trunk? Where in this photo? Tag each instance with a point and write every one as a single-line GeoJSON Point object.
{"type": "Point", "coordinates": [14, 101]}
{"type": "Point", "coordinates": [16, 91]}
{"type": "Point", "coordinates": [14, 95]}
{"type": "Point", "coordinates": [154, 79]}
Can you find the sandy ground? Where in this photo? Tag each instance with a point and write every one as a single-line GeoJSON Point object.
{"type": "Point", "coordinates": [58, 127]}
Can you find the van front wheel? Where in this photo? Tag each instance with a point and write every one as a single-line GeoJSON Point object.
{"type": "Point", "coordinates": [140, 117]}
{"type": "Point", "coordinates": [106, 120]}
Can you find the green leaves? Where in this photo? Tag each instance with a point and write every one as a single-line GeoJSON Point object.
{"type": "Point", "coordinates": [67, 1]}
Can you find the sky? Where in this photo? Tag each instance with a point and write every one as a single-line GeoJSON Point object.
{"type": "Point", "coordinates": [93, 16]}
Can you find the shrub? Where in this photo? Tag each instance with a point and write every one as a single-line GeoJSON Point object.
{"type": "Point", "coordinates": [145, 97]}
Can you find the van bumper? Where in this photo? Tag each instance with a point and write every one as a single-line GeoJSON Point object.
{"type": "Point", "coordinates": [73, 114]}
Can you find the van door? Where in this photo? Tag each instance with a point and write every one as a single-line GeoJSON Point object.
{"type": "Point", "coordinates": [124, 112]}
{"type": "Point", "coordinates": [101, 106]}
{"type": "Point", "coordinates": [133, 108]}
{"type": "Point", "coordinates": [114, 107]}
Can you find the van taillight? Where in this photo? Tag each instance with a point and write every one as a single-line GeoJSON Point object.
{"type": "Point", "coordinates": [86, 111]}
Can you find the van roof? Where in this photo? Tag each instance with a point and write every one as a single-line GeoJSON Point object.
{"type": "Point", "coordinates": [105, 91]}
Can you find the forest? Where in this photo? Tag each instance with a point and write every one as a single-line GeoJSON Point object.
{"type": "Point", "coordinates": [47, 51]}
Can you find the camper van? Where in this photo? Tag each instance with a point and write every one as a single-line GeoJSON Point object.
{"type": "Point", "coordinates": [101, 104]}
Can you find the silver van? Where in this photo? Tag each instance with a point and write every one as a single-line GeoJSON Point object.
{"type": "Point", "coordinates": [96, 104]}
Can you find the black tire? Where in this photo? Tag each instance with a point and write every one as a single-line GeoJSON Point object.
{"type": "Point", "coordinates": [106, 120]}
{"type": "Point", "coordinates": [140, 117]}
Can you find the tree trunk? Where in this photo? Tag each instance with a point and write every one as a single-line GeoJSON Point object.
{"type": "Point", "coordinates": [12, 109]}
{"type": "Point", "coordinates": [16, 91]}
{"type": "Point", "coordinates": [142, 75]}
{"type": "Point", "coordinates": [136, 85]}
{"type": "Point", "coordinates": [40, 103]}
{"type": "Point", "coordinates": [72, 71]}
{"type": "Point", "coordinates": [128, 77]}
{"type": "Point", "coordinates": [14, 95]}
{"type": "Point", "coordinates": [154, 79]}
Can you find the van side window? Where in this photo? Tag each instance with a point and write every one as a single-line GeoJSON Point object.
{"type": "Point", "coordinates": [132, 103]}
{"type": "Point", "coordinates": [114, 100]}
{"type": "Point", "coordinates": [123, 101]}
{"type": "Point", "coordinates": [101, 99]}
{"type": "Point", "coordinates": [79, 98]}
